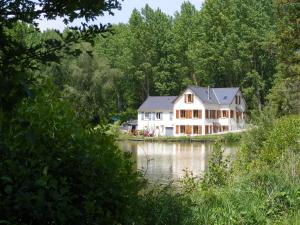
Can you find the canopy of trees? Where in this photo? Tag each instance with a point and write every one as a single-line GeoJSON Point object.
{"type": "Point", "coordinates": [224, 44]}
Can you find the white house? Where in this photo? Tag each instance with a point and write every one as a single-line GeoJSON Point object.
{"type": "Point", "coordinates": [156, 115]}
{"type": "Point", "coordinates": [196, 111]}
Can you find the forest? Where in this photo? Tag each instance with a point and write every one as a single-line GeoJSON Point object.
{"type": "Point", "coordinates": [55, 87]}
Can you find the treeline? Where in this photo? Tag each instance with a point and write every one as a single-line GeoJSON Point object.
{"type": "Point", "coordinates": [229, 43]}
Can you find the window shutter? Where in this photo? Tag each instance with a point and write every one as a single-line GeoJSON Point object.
{"type": "Point", "coordinates": [185, 98]}
{"type": "Point", "coordinates": [199, 129]}
{"type": "Point", "coordinates": [190, 114]}
{"type": "Point", "coordinates": [188, 129]}
{"type": "Point", "coordinates": [177, 114]}
{"type": "Point", "coordinates": [199, 114]}
{"type": "Point", "coordinates": [231, 113]}
{"type": "Point", "coordinates": [192, 97]}
{"type": "Point", "coordinates": [177, 129]}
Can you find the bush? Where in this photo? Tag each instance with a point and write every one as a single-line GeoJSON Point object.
{"type": "Point", "coordinates": [217, 172]}
{"type": "Point", "coordinates": [52, 171]}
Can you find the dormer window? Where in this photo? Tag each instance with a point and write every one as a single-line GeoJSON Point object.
{"type": "Point", "coordinates": [189, 98]}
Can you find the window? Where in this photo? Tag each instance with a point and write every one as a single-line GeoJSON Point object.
{"type": "Point", "coordinates": [195, 129]}
{"type": "Point", "coordinates": [189, 98]}
{"type": "Point", "coordinates": [218, 114]}
{"type": "Point", "coordinates": [147, 115]}
{"type": "Point", "coordinates": [195, 114]}
{"type": "Point", "coordinates": [225, 113]}
{"type": "Point", "coordinates": [158, 116]}
{"type": "Point", "coordinates": [206, 114]}
{"type": "Point", "coordinates": [171, 115]}
{"type": "Point", "coordinates": [182, 113]}
{"type": "Point", "coordinates": [213, 114]}
{"type": "Point", "coordinates": [206, 129]}
{"type": "Point", "coordinates": [182, 129]}
{"type": "Point", "coordinates": [231, 113]}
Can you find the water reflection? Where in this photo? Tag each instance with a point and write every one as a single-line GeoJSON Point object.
{"type": "Point", "coordinates": [164, 161]}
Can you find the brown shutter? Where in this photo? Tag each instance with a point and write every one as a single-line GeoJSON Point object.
{"type": "Point", "coordinates": [199, 129]}
{"type": "Point", "coordinates": [231, 113]}
{"type": "Point", "coordinates": [177, 114]}
{"type": "Point", "coordinates": [185, 100]}
{"type": "Point", "coordinates": [190, 114]}
{"type": "Point", "coordinates": [199, 114]}
{"type": "Point", "coordinates": [218, 114]}
{"type": "Point", "coordinates": [177, 129]}
{"type": "Point", "coordinates": [188, 129]}
{"type": "Point", "coordinates": [192, 97]}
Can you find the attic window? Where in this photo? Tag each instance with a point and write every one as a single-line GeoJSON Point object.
{"type": "Point", "coordinates": [225, 97]}
{"type": "Point", "coordinates": [189, 98]}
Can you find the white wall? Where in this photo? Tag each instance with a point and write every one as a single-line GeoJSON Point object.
{"type": "Point", "coordinates": [154, 125]}
{"type": "Point", "coordinates": [198, 105]}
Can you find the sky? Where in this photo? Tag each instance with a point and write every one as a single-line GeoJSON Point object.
{"type": "Point", "coordinates": [122, 16]}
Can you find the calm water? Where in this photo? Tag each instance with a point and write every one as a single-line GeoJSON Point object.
{"type": "Point", "coordinates": [164, 161]}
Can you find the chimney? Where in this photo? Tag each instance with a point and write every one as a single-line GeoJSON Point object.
{"type": "Point", "coordinates": [208, 92]}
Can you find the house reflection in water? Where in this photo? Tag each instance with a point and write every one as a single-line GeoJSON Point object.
{"type": "Point", "coordinates": [165, 161]}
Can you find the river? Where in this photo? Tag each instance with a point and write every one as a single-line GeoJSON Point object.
{"type": "Point", "coordinates": [166, 161]}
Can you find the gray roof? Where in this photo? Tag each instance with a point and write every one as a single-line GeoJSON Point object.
{"type": "Point", "coordinates": [225, 95]}
{"type": "Point", "coordinates": [222, 96]}
{"type": "Point", "coordinates": [158, 103]}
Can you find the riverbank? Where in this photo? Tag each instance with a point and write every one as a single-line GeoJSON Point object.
{"type": "Point", "coordinates": [232, 137]}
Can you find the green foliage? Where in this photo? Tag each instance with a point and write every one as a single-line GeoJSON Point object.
{"type": "Point", "coordinates": [232, 138]}
{"type": "Point", "coordinates": [54, 171]}
{"type": "Point", "coordinates": [189, 182]}
{"type": "Point", "coordinates": [285, 94]}
{"type": "Point", "coordinates": [113, 129]}
{"type": "Point", "coordinates": [226, 43]}
{"type": "Point", "coordinates": [284, 137]}
{"type": "Point", "coordinates": [258, 192]}
{"type": "Point", "coordinates": [164, 205]}
{"type": "Point", "coordinates": [217, 172]}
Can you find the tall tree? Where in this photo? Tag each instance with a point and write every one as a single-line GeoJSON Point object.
{"type": "Point", "coordinates": [236, 37]}
{"type": "Point", "coordinates": [285, 95]}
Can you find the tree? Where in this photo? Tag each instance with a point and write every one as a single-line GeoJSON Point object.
{"type": "Point", "coordinates": [235, 38]}
{"type": "Point", "coordinates": [16, 56]}
{"type": "Point", "coordinates": [54, 171]}
{"type": "Point", "coordinates": [285, 94]}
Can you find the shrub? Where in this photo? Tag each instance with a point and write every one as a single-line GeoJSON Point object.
{"type": "Point", "coordinates": [53, 171]}
{"type": "Point", "coordinates": [217, 172]}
